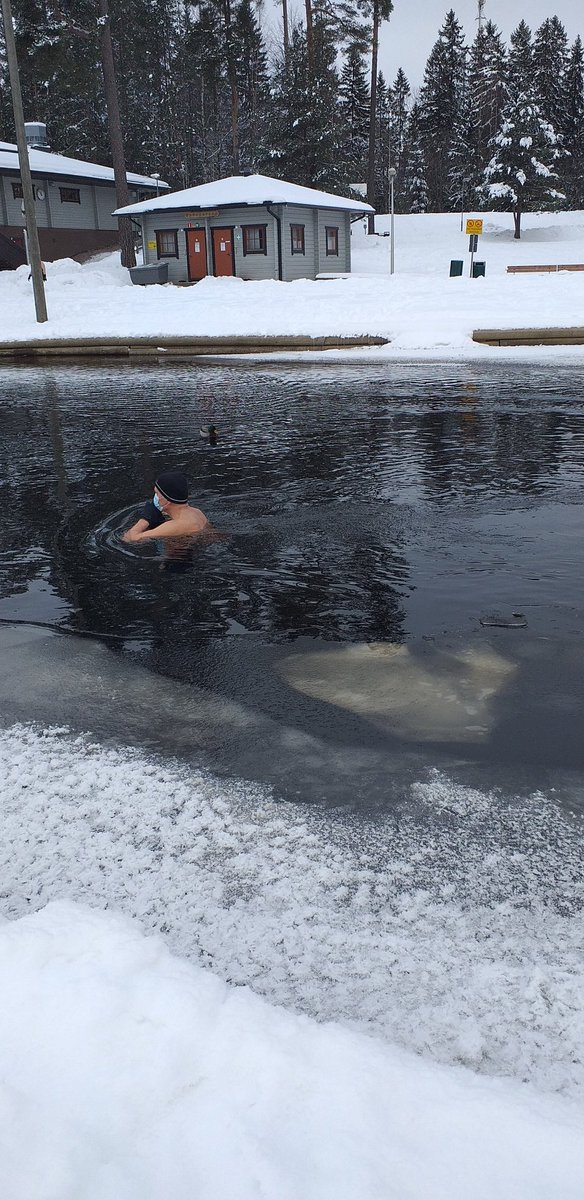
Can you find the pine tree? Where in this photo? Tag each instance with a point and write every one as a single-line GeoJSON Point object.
{"type": "Point", "coordinates": [416, 187]}
{"type": "Point", "coordinates": [354, 114]}
{"type": "Point", "coordinates": [522, 172]}
{"type": "Point", "coordinates": [550, 55]}
{"type": "Point", "coordinates": [573, 126]}
{"type": "Point", "coordinates": [441, 104]}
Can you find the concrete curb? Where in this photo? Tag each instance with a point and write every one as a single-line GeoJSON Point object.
{"type": "Point", "coordinates": [573, 336]}
{"type": "Point", "coordinates": [151, 347]}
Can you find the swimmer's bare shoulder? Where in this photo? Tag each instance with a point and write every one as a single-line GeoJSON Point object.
{"type": "Point", "coordinates": [187, 523]}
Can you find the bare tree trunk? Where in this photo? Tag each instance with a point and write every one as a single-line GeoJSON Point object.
{"type": "Point", "coordinates": [115, 132]}
{"type": "Point", "coordinates": [517, 223]}
{"type": "Point", "coordinates": [309, 36]}
{"type": "Point", "coordinates": [286, 32]}
{"type": "Point", "coordinates": [232, 76]}
{"type": "Point", "coordinates": [372, 117]}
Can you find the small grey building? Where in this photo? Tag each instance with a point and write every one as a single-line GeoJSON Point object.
{"type": "Point", "coordinates": [73, 200]}
{"type": "Point", "coordinates": [251, 226]}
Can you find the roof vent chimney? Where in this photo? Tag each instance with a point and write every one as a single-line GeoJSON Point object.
{"type": "Point", "coordinates": [36, 135]}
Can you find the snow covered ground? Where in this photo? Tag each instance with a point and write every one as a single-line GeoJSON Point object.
{"type": "Point", "coordinates": [126, 1073]}
{"type": "Point", "coordinates": [421, 309]}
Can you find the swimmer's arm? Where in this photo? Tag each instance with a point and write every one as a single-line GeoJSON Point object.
{"type": "Point", "coordinates": [133, 534]}
{"type": "Point", "coordinates": [168, 530]}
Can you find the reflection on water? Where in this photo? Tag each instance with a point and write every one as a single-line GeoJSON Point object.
{"type": "Point", "coordinates": [356, 507]}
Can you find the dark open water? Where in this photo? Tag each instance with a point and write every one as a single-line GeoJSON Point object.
{"type": "Point", "coordinates": [372, 518]}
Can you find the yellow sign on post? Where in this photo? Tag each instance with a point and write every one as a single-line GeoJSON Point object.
{"type": "Point", "coordinates": [474, 226]}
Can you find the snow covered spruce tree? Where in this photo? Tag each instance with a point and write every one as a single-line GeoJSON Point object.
{"type": "Point", "coordinates": [382, 102]}
{"type": "Point", "coordinates": [254, 88]}
{"type": "Point", "coordinates": [305, 132]}
{"type": "Point", "coordinates": [522, 175]}
{"type": "Point", "coordinates": [482, 115]}
{"type": "Point", "coordinates": [441, 105]}
{"type": "Point", "coordinates": [550, 56]}
{"type": "Point", "coordinates": [399, 95]}
{"type": "Point", "coordinates": [573, 126]}
{"type": "Point", "coordinates": [375, 11]}
{"type": "Point", "coordinates": [354, 114]}
{"type": "Point", "coordinates": [61, 76]}
{"type": "Point", "coordinates": [416, 187]}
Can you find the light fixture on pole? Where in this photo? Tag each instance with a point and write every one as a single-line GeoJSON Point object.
{"type": "Point", "coordinates": [392, 174]}
{"type": "Point", "coordinates": [31, 231]}
{"type": "Point", "coordinates": [156, 176]}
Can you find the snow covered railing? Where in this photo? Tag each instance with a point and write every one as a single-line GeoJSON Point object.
{"type": "Point", "coordinates": [546, 267]}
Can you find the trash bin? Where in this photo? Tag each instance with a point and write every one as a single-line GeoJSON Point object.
{"type": "Point", "coordinates": [456, 265]}
{"type": "Point", "coordinates": [156, 272]}
{"type": "Point", "coordinates": [478, 268]}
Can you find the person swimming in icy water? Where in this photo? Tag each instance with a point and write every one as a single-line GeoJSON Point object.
{"type": "Point", "coordinates": [170, 516]}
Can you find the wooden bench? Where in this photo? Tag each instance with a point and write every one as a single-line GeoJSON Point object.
{"type": "Point", "coordinates": [546, 267]}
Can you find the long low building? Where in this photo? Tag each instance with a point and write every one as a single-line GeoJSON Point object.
{"type": "Point", "coordinates": [74, 201]}
{"type": "Point", "coordinates": [251, 226]}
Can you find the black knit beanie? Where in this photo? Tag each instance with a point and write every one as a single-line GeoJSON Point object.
{"type": "Point", "coordinates": [173, 485]}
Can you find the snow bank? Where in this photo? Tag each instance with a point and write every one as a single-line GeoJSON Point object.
{"type": "Point", "coordinates": [129, 1074]}
{"type": "Point", "coordinates": [422, 310]}
{"type": "Point", "coordinates": [454, 929]}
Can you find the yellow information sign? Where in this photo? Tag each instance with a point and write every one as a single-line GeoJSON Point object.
{"type": "Point", "coordinates": [151, 245]}
{"type": "Point", "coordinates": [474, 226]}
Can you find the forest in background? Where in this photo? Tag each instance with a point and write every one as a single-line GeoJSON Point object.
{"type": "Point", "coordinates": [202, 95]}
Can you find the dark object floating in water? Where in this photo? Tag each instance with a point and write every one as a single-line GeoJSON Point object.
{"type": "Point", "coordinates": [516, 621]}
{"type": "Point", "coordinates": [209, 434]}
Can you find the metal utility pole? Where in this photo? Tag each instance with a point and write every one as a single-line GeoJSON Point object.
{"type": "Point", "coordinates": [392, 174]}
{"type": "Point", "coordinates": [31, 231]}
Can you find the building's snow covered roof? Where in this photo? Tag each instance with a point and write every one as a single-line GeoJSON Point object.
{"type": "Point", "coordinates": [246, 189]}
{"type": "Point", "coordinates": [45, 163]}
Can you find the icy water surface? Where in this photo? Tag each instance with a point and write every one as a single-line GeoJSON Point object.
{"type": "Point", "coordinates": [399, 569]}
{"type": "Point", "coordinates": [352, 646]}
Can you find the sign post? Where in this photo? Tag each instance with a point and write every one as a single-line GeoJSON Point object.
{"type": "Point", "coordinates": [474, 228]}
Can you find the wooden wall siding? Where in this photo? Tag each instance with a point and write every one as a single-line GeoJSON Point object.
{"type": "Point", "coordinates": [105, 202]}
{"type": "Point", "coordinates": [331, 262]}
{"type": "Point", "coordinates": [94, 211]}
{"type": "Point", "coordinates": [248, 266]}
{"type": "Point", "coordinates": [300, 266]}
{"type": "Point", "coordinates": [67, 215]}
{"type": "Point", "coordinates": [259, 266]}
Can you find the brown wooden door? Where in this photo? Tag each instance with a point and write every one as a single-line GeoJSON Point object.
{"type": "Point", "coordinates": [223, 260]}
{"type": "Point", "coordinates": [196, 253]}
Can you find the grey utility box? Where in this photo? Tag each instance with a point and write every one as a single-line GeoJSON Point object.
{"type": "Point", "coordinates": [150, 273]}
{"type": "Point", "coordinates": [478, 269]}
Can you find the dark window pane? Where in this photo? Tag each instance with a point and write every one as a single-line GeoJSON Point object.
{"type": "Point", "coordinates": [297, 238]}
